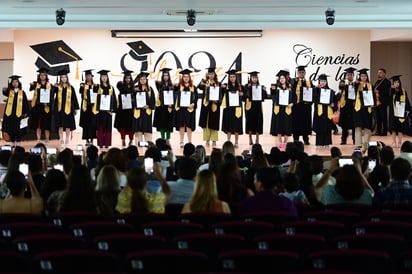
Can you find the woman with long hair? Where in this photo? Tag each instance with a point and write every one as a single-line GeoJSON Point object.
{"type": "Point", "coordinates": [87, 118]}
{"type": "Point", "coordinates": [163, 117]}
{"type": "Point", "coordinates": [205, 197]}
{"type": "Point", "coordinates": [16, 109]}
{"type": "Point", "coordinates": [65, 107]}
{"type": "Point", "coordinates": [143, 109]}
{"type": "Point", "coordinates": [124, 115]}
{"type": "Point", "coordinates": [185, 106]}
{"type": "Point", "coordinates": [135, 197]}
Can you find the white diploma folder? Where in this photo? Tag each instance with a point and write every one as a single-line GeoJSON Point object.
{"type": "Point", "coordinates": [400, 109]}
{"type": "Point", "coordinates": [234, 99]}
{"type": "Point", "coordinates": [367, 98]}
{"type": "Point", "coordinates": [126, 101]}
{"type": "Point", "coordinates": [44, 96]}
{"type": "Point", "coordinates": [256, 93]}
{"type": "Point", "coordinates": [325, 96]}
{"type": "Point", "coordinates": [213, 93]}
{"type": "Point", "coordinates": [140, 99]}
{"type": "Point", "coordinates": [105, 102]}
{"type": "Point", "coordinates": [168, 97]}
{"type": "Point", "coordinates": [185, 99]}
{"type": "Point", "coordinates": [283, 97]}
{"type": "Point", "coordinates": [307, 94]}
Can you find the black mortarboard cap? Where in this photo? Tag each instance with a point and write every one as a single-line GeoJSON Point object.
{"type": "Point", "coordinates": [103, 72]}
{"type": "Point", "coordinates": [14, 77]}
{"type": "Point", "coordinates": [301, 68]}
{"type": "Point", "coordinates": [323, 76]}
{"type": "Point", "coordinates": [253, 73]}
{"type": "Point", "coordinates": [63, 72]}
{"type": "Point", "coordinates": [395, 78]}
{"type": "Point", "coordinates": [211, 69]}
{"type": "Point", "coordinates": [140, 50]}
{"type": "Point", "coordinates": [127, 72]}
{"type": "Point", "coordinates": [165, 70]}
{"type": "Point", "coordinates": [54, 56]}
{"type": "Point", "coordinates": [232, 71]}
{"type": "Point", "coordinates": [185, 71]}
{"type": "Point", "coordinates": [350, 70]}
{"type": "Point", "coordinates": [88, 72]}
{"type": "Point", "coordinates": [363, 71]}
{"type": "Point", "coordinates": [143, 74]}
{"type": "Point", "coordinates": [282, 72]}
{"type": "Point", "coordinates": [43, 70]}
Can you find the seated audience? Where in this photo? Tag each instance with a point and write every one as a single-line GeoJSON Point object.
{"type": "Point", "coordinates": [182, 188]}
{"type": "Point", "coordinates": [406, 151]}
{"type": "Point", "coordinates": [291, 184]}
{"type": "Point", "coordinates": [106, 190]}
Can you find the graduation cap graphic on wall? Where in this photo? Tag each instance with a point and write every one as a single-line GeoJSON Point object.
{"type": "Point", "coordinates": [55, 57]}
{"type": "Point", "coordinates": [139, 52]}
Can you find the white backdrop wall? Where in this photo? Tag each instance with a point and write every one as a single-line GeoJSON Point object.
{"type": "Point", "coordinates": [323, 51]}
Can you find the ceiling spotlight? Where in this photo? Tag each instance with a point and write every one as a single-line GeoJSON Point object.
{"type": "Point", "coordinates": [330, 16]}
{"type": "Point", "coordinates": [191, 17]}
{"type": "Point", "coordinates": [60, 16]}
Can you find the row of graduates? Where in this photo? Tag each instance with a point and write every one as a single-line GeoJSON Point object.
{"type": "Point", "coordinates": [175, 106]}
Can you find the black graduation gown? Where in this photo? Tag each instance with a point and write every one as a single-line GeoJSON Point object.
{"type": "Point", "coordinates": [398, 124]}
{"type": "Point", "coordinates": [346, 109]}
{"type": "Point", "coordinates": [281, 122]}
{"type": "Point", "coordinates": [210, 117]}
{"type": "Point", "coordinates": [41, 114]}
{"type": "Point", "coordinates": [87, 117]}
{"type": "Point", "coordinates": [302, 111]}
{"type": "Point", "coordinates": [322, 124]}
{"type": "Point", "coordinates": [145, 121]}
{"type": "Point", "coordinates": [103, 117]}
{"type": "Point", "coordinates": [62, 119]}
{"type": "Point", "coordinates": [254, 114]}
{"type": "Point", "coordinates": [163, 116]}
{"type": "Point", "coordinates": [124, 117]}
{"type": "Point", "coordinates": [363, 117]}
{"type": "Point", "coordinates": [231, 123]}
{"type": "Point", "coordinates": [184, 117]}
{"type": "Point", "coordinates": [11, 123]}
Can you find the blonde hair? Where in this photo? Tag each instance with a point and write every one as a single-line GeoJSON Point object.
{"type": "Point", "coordinates": [205, 193]}
{"type": "Point", "coordinates": [108, 179]}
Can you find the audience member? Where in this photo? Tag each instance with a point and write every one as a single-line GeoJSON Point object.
{"type": "Point", "coordinates": [205, 198]}
{"type": "Point", "coordinates": [55, 180]}
{"type": "Point", "coordinates": [134, 197]}
{"type": "Point", "coordinates": [132, 153]}
{"type": "Point", "coordinates": [107, 188]}
{"type": "Point", "coordinates": [399, 191]}
{"type": "Point", "coordinates": [292, 184]}
{"type": "Point", "coordinates": [15, 201]}
{"type": "Point", "coordinates": [266, 198]}
{"type": "Point", "coordinates": [406, 151]}
{"type": "Point", "coordinates": [182, 188]}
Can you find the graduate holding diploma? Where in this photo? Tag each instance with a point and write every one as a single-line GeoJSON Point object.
{"type": "Point", "coordinates": [282, 103]}
{"type": "Point", "coordinates": [124, 115]}
{"type": "Point", "coordinates": [16, 109]}
{"type": "Point", "coordinates": [399, 109]}
{"type": "Point", "coordinates": [103, 108]}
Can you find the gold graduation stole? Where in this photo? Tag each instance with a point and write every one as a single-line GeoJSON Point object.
{"type": "Point", "coordinates": [67, 105]}
{"type": "Point", "coordinates": [100, 92]}
{"type": "Point", "coordinates": [35, 94]}
{"type": "Point", "coordinates": [19, 105]}
{"type": "Point", "coordinates": [402, 99]}
{"type": "Point", "coordinates": [85, 97]}
{"type": "Point", "coordinates": [343, 94]}
{"type": "Point", "coordinates": [177, 104]}
{"type": "Point", "coordinates": [159, 102]}
{"type": "Point", "coordinates": [206, 102]}
{"type": "Point", "coordinates": [248, 103]}
{"type": "Point", "coordinates": [298, 86]}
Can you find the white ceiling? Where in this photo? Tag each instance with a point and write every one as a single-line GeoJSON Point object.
{"type": "Point", "coordinates": [211, 14]}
